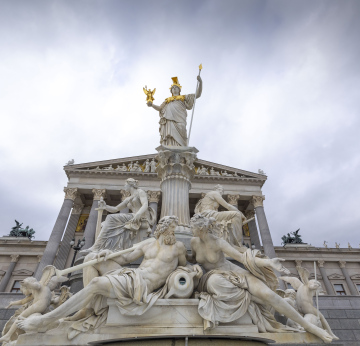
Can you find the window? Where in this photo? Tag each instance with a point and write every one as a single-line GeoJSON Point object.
{"type": "Point", "coordinates": [339, 289]}
{"type": "Point", "coordinates": [16, 287]}
{"type": "Point", "coordinates": [358, 287]}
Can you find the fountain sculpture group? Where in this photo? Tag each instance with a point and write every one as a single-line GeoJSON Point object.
{"type": "Point", "coordinates": [186, 290]}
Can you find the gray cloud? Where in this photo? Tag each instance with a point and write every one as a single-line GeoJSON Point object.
{"type": "Point", "coordinates": [281, 93]}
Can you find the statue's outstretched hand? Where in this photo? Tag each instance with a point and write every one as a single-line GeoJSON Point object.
{"type": "Point", "coordinates": [11, 304]}
{"type": "Point", "coordinates": [199, 79]}
{"type": "Point", "coordinates": [198, 270]}
{"type": "Point", "coordinates": [102, 204]}
{"type": "Point", "coordinates": [103, 255]}
{"type": "Point", "coordinates": [149, 103]}
{"type": "Point", "coordinates": [277, 265]}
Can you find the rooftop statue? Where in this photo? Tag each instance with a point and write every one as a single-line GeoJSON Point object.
{"type": "Point", "coordinates": [173, 114]}
{"type": "Point", "coordinates": [17, 231]}
{"type": "Point", "coordinates": [292, 238]}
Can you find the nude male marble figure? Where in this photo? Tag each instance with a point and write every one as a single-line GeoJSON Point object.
{"type": "Point", "coordinates": [161, 258]}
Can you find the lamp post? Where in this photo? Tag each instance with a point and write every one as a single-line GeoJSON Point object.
{"type": "Point", "coordinates": [76, 248]}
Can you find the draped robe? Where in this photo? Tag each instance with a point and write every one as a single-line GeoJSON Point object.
{"type": "Point", "coordinates": [173, 121]}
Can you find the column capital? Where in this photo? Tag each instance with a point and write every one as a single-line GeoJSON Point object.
{"type": "Point", "coordinates": [124, 194]}
{"type": "Point", "coordinates": [298, 263]}
{"type": "Point", "coordinates": [342, 264]}
{"type": "Point", "coordinates": [77, 208]}
{"type": "Point", "coordinates": [233, 199]}
{"type": "Point", "coordinates": [321, 263]}
{"type": "Point", "coordinates": [153, 196]}
{"type": "Point", "coordinates": [71, 193]}
{"type": "Point", "coordinates": [257, 201]}
{"type": "Point", "coordinates": [98, 193]}
{"type": "Point", "coordinates": [39, 257]}
{"type": "Point", "coordinates": [249, 214]}
{"type": "Point", "coordinates": [14, 258]}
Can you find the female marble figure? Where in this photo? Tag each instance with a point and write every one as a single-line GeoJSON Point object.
{"type": "Point", "coordinates": [173, 115]}
{"type": "Point", "coordinates": [118, 229]}
{"type": "Point", "coordinates": [232, 218]}
{"type": "Point", "coordinates": [228, 291]}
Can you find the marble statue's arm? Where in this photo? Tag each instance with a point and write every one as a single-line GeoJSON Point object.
{"type": "Point", "coordinates": [229, 251]}
{"type": "Point", "coordinates": [144, 205]}
{"type": "Point", "coordinates": [150, 104]}
{"type": "Point", "coordinates": [199, 91]}
{"type": "Point", "coordinates": [119, 207]}
{"type": "Point", "coordinates": [274, 263]}
{"type": "Point", "coordinates": [182, 254]}
{"type": "Point", "coordinates": [134, 255]}
{"type": "Point", "coordinates": [22, 301]}
{"type": "Point", "coordinates": [223, 203]}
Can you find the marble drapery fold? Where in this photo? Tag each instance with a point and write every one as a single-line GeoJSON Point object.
{"type": "Point", "coordinates": [173, 121]}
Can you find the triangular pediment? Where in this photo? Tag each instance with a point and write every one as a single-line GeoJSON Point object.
{"type": "Point", "coordinates": [353, 277]}
{"type": "Point", "coordinates": [2, 272]}
{"type": "Point", "coordinates": [136, 165]}
{"type": "Point", "coordinates": [23, 272]}
{"type": "Point", "coordinates": [336, 277]}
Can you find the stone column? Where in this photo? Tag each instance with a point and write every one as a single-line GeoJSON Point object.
{"type": "Point", "coordinates": [233, 200]}
{"type": "Point", "coordinates": [175, 170]}
{"type": "Point", "coordinates": [90, 228]}
{"type": "Point", "coordinates": [53, 243]}
{"type": "Point", "coordinates": [352, 288]}
{"type": "Point", "coordinates": [65, 246]}
{"type": "Point", "coordinates": [328, 287]}
{"type": "Point", "coordinates": [5, 280]}
{"type": "Point", "coordinates": [154, 197]}
{"type": "Point", "coordinates": [254, 234]}
{"type": "Point", "coordinates": [266, 239]}
{"type": "Point", "coordinates": [124, 194]}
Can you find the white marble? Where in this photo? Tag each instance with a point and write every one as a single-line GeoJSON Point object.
{"type": "Point", "coordinates": [306, 290]}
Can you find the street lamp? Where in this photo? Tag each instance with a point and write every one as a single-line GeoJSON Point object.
{"type": "Point", "coordinates": [77, 248]}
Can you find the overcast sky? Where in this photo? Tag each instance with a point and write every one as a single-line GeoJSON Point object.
{"type": "Point", "coordinates": [281, 93]}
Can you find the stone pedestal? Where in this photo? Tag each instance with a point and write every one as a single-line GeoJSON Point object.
{"type": "Point", "coordinates": [175, 170]}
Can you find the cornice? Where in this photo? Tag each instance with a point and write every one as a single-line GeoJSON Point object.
{"type": "Point", "coordinates": [242, 175]}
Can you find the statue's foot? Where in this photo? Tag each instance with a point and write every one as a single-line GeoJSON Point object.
{"type": "Point", "coordinates": [334, 336]}
{"type": "Point", "coordinates": [322, 334]}
{"type": "Point", "coordinates": [32, 323]}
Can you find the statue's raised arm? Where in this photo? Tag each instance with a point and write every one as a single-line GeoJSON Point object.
{"type": "Point", "coordinates": [173, 114]}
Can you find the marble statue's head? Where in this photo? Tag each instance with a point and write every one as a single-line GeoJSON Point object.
{"type": "Point", "coordinates": [30, 282]}
{"type": "Point", "coordinates": [166, 228]}
{"type": "Point", "coordinates": [200, 224]}
{"type": "Point", "coordinates": [131, 183]}
{"type": "Point", "coordinates": [23, 288]}
{"type": "Point", "coordinates": [175, 90]}
{"type": "Point", "coordinates": [219, 188]}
